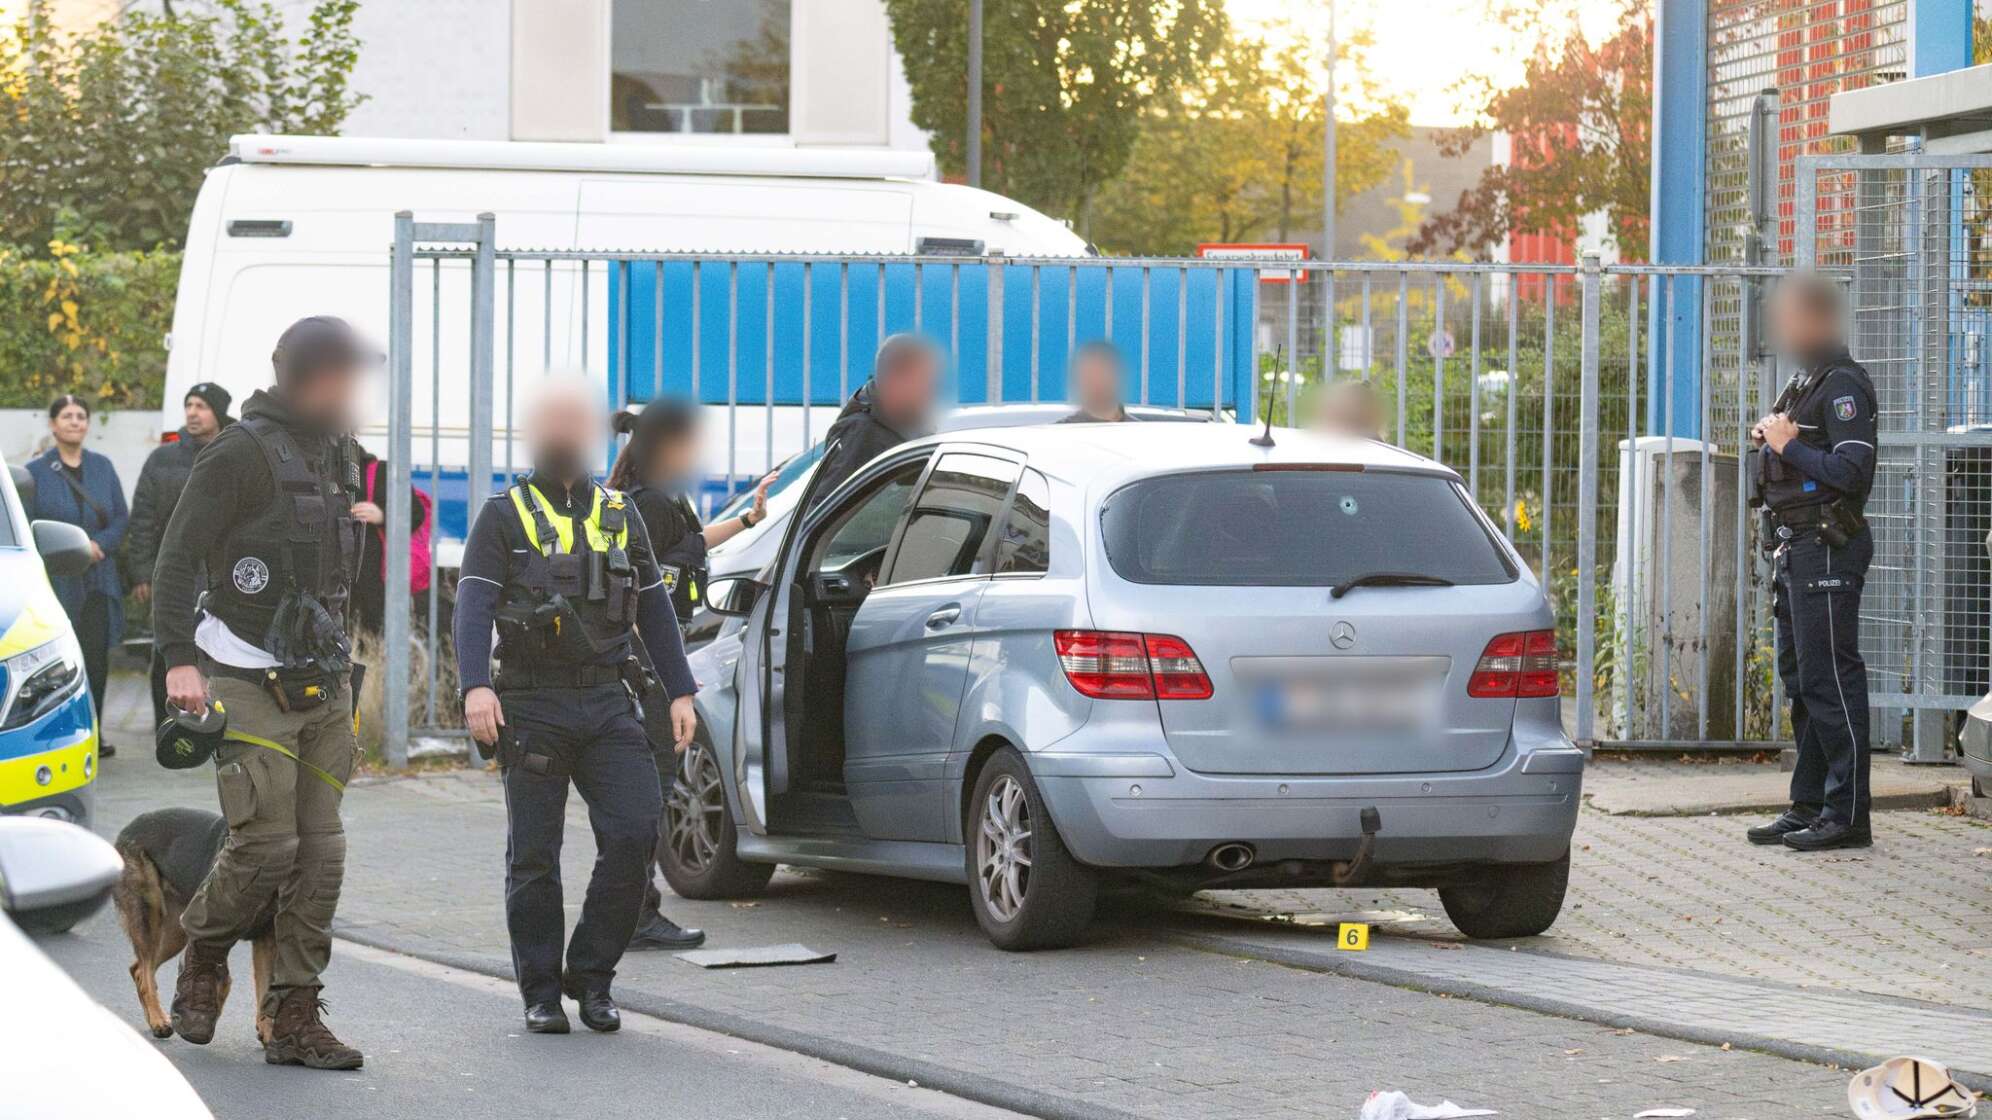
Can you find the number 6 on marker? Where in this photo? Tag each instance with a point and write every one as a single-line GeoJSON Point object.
{"type": "Point", "coordinates": [1352, 936]}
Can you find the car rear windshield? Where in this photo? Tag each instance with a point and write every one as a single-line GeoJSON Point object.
{"type": "Point", "coordinates": [1307, 528]}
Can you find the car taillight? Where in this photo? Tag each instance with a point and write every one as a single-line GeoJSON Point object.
{"type": "Point", "coordinates": [1178, 673]}
{"type": "Point", "coordinates": [1520, 664]}
{"type": "Point", "coordinates": [1109, 665]}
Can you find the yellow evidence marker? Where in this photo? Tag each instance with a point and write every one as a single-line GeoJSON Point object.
{"type": "Point", "coordinates": [1352, 936]}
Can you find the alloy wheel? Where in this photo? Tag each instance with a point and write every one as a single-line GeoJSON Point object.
{"type": "Point", "coordinates": [695, 810]}
{"type": "Point", "coordinates": [1003, 849]}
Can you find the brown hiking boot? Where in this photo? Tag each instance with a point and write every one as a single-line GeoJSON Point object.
{"type": "Point", "coordinates": [198, 995]}
{"type": "Point", "coordinates": [301, 1038]}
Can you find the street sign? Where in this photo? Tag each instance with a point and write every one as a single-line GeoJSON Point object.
{"type": "Point", "coordinates": [1257, 251]}
{"type": "Point", "coordinates": [1439, 344]}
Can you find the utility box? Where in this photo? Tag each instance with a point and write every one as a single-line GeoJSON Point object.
{"type": "Point", "coordinates": [1674, 593]}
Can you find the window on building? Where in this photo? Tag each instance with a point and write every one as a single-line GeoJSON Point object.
{"type": "Point", "coordinates": [699, 66]}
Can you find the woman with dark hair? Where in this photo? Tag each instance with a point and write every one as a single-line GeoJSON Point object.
{"type": "Point", "coordinates": [82, 488]}
{"type": "Point", "coordinates": [656, 468]}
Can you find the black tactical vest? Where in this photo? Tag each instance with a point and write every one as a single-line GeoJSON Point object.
{"type": "Point", "coordinates": [568, 604]}
{"type": "Point", "coordinates": [280, 577]}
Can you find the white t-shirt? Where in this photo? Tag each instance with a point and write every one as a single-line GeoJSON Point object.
{"type": "Point", "coordinates": [215, 639]}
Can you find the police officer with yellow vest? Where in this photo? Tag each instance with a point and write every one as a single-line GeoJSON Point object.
{"type": "Point", "coordinates": [563, 567]}
{"type": "Point", "coordinates": [1814, 466]}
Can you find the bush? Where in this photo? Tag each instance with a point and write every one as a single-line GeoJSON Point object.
{"type": "Point", "coordinates": [93, 324]}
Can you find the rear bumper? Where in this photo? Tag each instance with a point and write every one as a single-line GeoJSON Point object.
{"type": "Point", "coordinates": [1521, 810]}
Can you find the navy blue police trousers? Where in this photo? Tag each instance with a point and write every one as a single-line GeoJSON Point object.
{"type": "Point", "coordinates": [1817, 601]}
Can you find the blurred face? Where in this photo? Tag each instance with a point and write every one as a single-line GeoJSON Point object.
{"type": "Point", "coordinates": [1799, 327]}
{"type": "Point", "coordinates": [201, 420]}
{"type": "Point", "coordinates": [1096, 378]}
{"type": "Point", "coordinates": [1350, 410]}
{"type": "Point", "coordinates": [563, 429]}
{"type": "Point", "coordinates": [70, 425]}
{"type": "Point", "coordinates": [329, 399]}
{"type": "Point", "coordinates": [906, 390]}
{"type": "Point", "coordinates": [673, 460]}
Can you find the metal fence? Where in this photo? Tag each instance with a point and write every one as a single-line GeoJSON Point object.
{"type": "Point", "coordinates": [1908, 234]}
{"type": "Point", "coordinates": [1589, 408]}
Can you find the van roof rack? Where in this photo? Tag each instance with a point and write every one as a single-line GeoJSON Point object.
{"type": "Point", "coordinates": [646, 158]}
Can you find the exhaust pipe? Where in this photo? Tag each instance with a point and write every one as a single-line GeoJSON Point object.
{"type": "Point", "coordinates": [1232, 857]}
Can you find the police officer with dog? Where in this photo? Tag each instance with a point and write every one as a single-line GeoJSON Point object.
{"type": "Point", "coordinates": [563, 567]}
{"type": "Point", "coordinates": [1813, 467]}
{"type": "Point", "coordinates": [261, 658]}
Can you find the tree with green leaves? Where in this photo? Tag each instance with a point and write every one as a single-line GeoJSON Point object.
{"type": "Point", "coordinates": [1237, 155]}
{"type": "Point", "coordinates": [1580, 124]}
{"type": "Point", "coordinates": [1064, 84]}
{"type": "Point", "coordinates": [105, 135]}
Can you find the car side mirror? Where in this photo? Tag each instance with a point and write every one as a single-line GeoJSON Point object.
{"type": "Point", "coordinates": [54, 874]}
{"type": "Point", "coordinates": [24, 485]}
{"type": "Point", "coordinates": [734, 597]}
{"type": "Point", "coordinates": [64, 548]}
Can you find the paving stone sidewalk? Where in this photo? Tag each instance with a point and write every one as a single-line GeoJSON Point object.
{"type": "Point", "coordinates": [1910, 917]}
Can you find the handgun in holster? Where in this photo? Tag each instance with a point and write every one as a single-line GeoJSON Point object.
{"type": "Point", "coordinates": [653, 705]}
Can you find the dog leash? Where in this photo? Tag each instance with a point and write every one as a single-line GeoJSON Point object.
{"type": "Point", "coordinates": [258, 741]}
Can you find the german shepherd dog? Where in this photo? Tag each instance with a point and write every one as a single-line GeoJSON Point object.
{"type": "Point", "coordinates": [167, 854]}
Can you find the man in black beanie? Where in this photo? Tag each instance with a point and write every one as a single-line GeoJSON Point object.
{"type": "Point", "coordinates": [159, 485]}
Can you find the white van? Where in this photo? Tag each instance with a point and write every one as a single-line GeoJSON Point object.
{"type": "Point", "coordinates": [289, 226]}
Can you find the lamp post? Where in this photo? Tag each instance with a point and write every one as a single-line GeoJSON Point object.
{"type": "Point", "coordinates": [1330, 352]}
{"type": "Point", "coordinates": [975, 93]}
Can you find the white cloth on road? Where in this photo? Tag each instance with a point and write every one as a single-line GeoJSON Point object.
{"type": "Point", "coordinates": [1394, 1105]}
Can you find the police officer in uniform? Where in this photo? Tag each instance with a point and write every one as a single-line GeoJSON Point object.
{"type": "Point", "coordinates": [655, 469]}
{"type": "Point", "coordinates": [1814, 468]}
{"type": "Point", "coordinates": [265, 525]}
{"type": "Point", "coordinates": [563, 566]}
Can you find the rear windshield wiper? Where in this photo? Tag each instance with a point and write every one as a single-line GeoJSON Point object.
{"type": "Point", "coordinates": [1387, 579]}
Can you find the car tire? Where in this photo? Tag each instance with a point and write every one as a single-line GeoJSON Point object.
{"type": "Point", "coordinates": [1024, 886]}
{"type": "Point", "coordinates": [698, 849]}
{"type": "Point", "coordinates": [1511, 900]}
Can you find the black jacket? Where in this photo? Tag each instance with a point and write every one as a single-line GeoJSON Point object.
{"type": "Point", "coordinates": [678, 541]}
{"type": "Point", "coordinates": [1834, 454]}
{"type": "Point", "coordinates": [230, 484]}
{"type": "Point", "coordinates": [857, 437]}
{"type": "Point", "coordinates": [160, 482]}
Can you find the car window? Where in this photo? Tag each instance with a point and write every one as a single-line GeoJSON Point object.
{"type": "Point", "coordinates": [1297, 528]}
{"type": "Point", "coordinates": [952, 516]}
{"type": "Point", "coordinates": [867, 523]}
{"type": "Point", "coordinates": [785, 476]}
{"type": "Point", "coordinates": [1026, 542]}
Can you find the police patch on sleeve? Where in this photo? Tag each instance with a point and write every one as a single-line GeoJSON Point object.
{"type": "Point", "coordinates": [1844, 408]}
{"type": "Point", "coordinates": [251, 575]}
{"type": "Point", "coordinates": [671, 576]}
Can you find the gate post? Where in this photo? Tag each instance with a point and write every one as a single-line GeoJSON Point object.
{"type": "Point", "coordinates": [483, 338]}
{"type": "Point", "coordinates": [1591, 275]}
{"type": "Point", "coordinates": [401, 449]}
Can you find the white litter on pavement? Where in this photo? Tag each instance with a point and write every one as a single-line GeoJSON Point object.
{"type": "Point", "coordinates": [1657, 1113]}
{"type": "Point", "coordinates": [1908, 1089]}
{"type": "Point", "coordinates": [1393, 1105]}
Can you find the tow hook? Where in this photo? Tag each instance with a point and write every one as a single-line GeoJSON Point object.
{"type": "Point", "coordinates": [1348, 872]}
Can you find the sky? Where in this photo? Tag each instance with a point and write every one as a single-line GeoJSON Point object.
{"type": "Point", "coordinates": [1424, 47]}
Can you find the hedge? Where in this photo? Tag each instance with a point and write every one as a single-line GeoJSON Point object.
{"type": "Point", "coordinates": [93, 324]}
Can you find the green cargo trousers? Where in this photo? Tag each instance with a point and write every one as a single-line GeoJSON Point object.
{"type": "Point", "coordinates": [285, 840]}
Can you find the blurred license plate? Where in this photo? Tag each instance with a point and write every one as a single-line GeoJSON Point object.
{"type": "Point", "coordinates": [1401, 695]}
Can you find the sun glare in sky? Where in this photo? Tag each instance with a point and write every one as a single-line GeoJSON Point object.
{"type": "Point", "coordinates": [1423, 48]}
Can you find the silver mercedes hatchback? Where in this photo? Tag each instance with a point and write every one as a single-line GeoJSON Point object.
{"type": "Point", "coordinates": [1032, 660]}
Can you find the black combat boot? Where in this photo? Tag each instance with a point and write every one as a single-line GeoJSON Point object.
{"type": "Point", "coordinates": [197, 996]}
{"type": "Point", "coordinates": [301, 1038]}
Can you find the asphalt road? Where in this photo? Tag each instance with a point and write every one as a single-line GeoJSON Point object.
{"type": "Point", "coordinates": [443, 1044]}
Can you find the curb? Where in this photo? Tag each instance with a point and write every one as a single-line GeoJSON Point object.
{"type": "Point", "coordinates": [1565, 1009]}
{"type": "Point", "coordinates": [878, 1063]}
{"type": "Point", "coordinates": [1935, 798]}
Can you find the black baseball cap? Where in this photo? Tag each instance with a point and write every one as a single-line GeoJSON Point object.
{"type": "Point", "coordinates": [321, 344]}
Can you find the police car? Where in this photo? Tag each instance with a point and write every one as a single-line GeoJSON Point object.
{"type": "Point", "coordinates": [48, 730]}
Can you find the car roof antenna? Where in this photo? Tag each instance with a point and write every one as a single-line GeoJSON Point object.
{"type": "Point", "coordinates": [1265, 438]}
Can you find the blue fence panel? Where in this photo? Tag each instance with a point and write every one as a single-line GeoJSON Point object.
{"type": "Point", "coordinates": [950, 305]}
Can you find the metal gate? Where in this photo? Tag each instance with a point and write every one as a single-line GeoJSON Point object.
{"type": "Point", "coordinates": [1593, 410]}
{"type": "Point", "coordinates": [1909, 235]}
